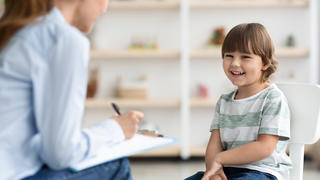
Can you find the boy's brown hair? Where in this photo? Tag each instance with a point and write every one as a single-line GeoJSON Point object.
{"type": "Point", "coordinates": [255, 35]}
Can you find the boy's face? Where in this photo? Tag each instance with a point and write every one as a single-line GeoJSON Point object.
{"type": "Point", "coordinates": [242, 69]}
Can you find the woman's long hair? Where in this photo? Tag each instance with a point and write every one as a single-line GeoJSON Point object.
{"type": "Point", "coordinates": [18, 13]}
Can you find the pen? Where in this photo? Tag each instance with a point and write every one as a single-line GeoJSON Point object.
{"type": "Point", "coordinates": [116, 108]}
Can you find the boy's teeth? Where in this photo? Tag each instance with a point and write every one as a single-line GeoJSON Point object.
{"type": "Point", "coordinates": [237, 73]}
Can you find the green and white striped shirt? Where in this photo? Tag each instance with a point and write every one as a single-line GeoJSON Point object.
{"type": "Point", "coordinates": [241, 121]}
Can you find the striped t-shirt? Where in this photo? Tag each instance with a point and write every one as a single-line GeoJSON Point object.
{"type": "Point", "coordinates": [241, 121]}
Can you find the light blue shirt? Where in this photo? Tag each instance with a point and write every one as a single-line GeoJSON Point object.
{"type": "Point", "coordinates": [43, 79]}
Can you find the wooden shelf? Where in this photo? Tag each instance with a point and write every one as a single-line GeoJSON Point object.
{"type": "Point", "coordinates": [198, 151]}
{"type": "Point", "coordinates": [136, 54]}
{"type": "Point", "coordinates": [200, 53]}
{"type": "Point", "coordinates": [172, 151]}
{"type": "Point", "coordinates": [137, 103]}
{"type": "Point", "coordinates": [248, 4]}
{"type": "Point", "coordinates": [169, 151]}
{"type": "Point", "coordinates": [292, 52]}
{"type": "Point", "coordinates": [280, 52]}
{"type": "Point", "coordinates": [144, 4]}
{"type": "Point", "coordinates": [147, 103]}
{"type": "Point", "coordinates": [198, 102]}
{"type": "Point", "coordinates": [204, 4]}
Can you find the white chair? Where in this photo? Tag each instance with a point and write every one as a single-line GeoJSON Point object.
{"type": "Point", "coordinates": [304, 103]}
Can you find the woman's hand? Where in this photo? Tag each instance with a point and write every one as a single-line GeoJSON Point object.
{"type": "Point", "coordinates": [129, 122]}
{"type": "Point", "coordinates": [215, 169]}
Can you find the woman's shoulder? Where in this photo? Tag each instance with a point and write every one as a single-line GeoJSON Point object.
{"type": "Point", "coordinates": [47, 30]}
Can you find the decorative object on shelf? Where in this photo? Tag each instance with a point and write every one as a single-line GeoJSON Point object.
{"type": "Point", "coordinates": [132, 89]}
{"type": "Point", "coordinates": [290, 41]}
{"type": "Point", "coordinates": [144, 43]}
{"type": "Point", "coordinates": [92, 83]}
{"type": "Point", "coordinates": [218, 36]}
{"type": "Point", "coordinates": [203, 91]}
{"type": "Point", "coordinates": [292, 75]}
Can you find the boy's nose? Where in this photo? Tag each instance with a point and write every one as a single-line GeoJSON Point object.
{"type": "Point", "coordinates": [235, 62]}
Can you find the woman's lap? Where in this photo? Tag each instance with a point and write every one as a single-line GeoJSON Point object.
{"type": "Point", "coordinates": [117, 169]}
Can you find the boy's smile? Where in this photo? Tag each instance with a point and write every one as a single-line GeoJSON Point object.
{"type": "Point", "coordinates": [237, 74]}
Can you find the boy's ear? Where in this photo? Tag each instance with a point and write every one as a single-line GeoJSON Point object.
{"type": "Point", "coordinates": [265, 67]}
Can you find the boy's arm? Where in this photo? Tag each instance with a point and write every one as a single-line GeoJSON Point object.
{"type": "Point", "coordinates": [214, 147]}
{"type": "Point", "coordinates": [251, 152]}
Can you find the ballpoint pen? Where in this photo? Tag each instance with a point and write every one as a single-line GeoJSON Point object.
{"type": "Point", "coordinates": [116, 108]}
{"type": "Point", "coordinates": [144, 131]}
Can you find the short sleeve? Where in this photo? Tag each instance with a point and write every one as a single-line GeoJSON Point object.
{"type": "Point", "coordinates": [215, 122]}
{"type": "Point", "coordinates": [276, 116]}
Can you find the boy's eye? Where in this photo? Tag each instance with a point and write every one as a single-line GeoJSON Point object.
{"type": "Point", "coordinates": [228, 56]}
{"type": "Point", "coordinates": [246, 57]}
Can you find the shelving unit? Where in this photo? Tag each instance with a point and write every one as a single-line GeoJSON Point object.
{"type": "Point", "coordinates": [280, 52]}
{"type": "Point", "coordinates": [144, 4]}
{"type": "Point", "coordinates": [129, 5]}
{"type": "Point", "coordinates": [135, 54]}
{"type": "Point", "coordinates": [171, 151]}
{"type": "Point", "coordinates": [200, 102]}
{"type": "Point", "coordinates": [148, 103]}
{"type": "Point", "coordinates": [187, 55]}
{"type": "Point", "coordinates": [249, 4]}
{"type": "Point", "coordinates": [171, 54]}
{"type": "Point", "coordinates": [140, 103]}
{"type": "Point", "coordinates": [197, 151]}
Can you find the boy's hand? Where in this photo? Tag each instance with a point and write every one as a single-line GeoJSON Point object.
{"type": "Point", "coordinates": [129, 122]}
{"type": "Point", "coordinates": [215, 169]}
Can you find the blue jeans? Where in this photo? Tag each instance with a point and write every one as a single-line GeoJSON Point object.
{"type": "Point", "coordinates": [238, 174]}
{"type": "Point", "coordinates": [117, 169]}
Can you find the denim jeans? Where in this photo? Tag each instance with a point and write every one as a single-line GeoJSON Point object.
{"type": "Point", "coordinates": [238, 174]}
{"type": "Point", "coordinates": [117, 169]}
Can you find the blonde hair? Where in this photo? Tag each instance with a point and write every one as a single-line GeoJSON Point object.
{"type": "Point", "coordinates": [255, 35]}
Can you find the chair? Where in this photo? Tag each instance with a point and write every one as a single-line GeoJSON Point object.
{"type": "Point", "coordinates": [304, 104]}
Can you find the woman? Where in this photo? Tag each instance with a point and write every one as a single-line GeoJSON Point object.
{"type": "Point", "coordinates": [43, 72]}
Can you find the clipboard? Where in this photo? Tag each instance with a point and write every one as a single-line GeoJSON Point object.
{"type": "Point", "coordinates": [139, 143]}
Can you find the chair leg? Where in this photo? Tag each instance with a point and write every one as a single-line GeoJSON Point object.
{"type": "Point", "coordinates": [296, 155]}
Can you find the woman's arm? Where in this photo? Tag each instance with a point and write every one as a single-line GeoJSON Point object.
{"type": "Point", "coordinates": [59, 89]}
{"type": "Point", "coordinates": [214, 147]}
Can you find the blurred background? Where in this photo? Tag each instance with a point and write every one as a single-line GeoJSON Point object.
{"type": "Point", "coordinates": [163, 57]}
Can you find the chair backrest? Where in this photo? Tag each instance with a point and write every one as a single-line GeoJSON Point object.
{"type": "Point", "coordinates": [304, 104]}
